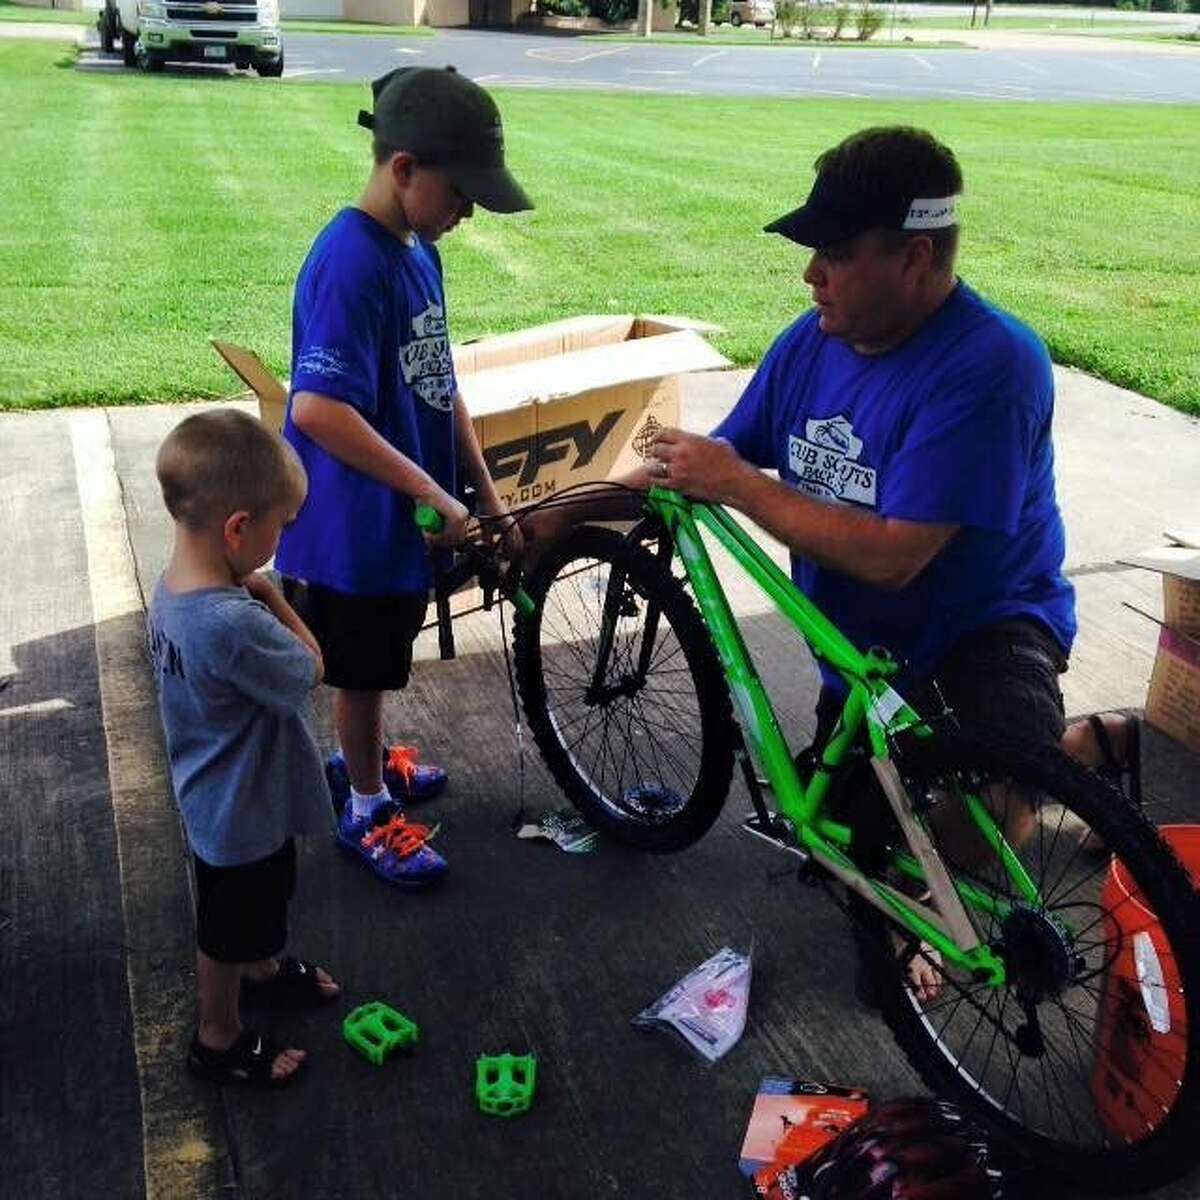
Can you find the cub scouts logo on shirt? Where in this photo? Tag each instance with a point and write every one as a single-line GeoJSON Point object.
{"type": "Point", "coordinates": [425, 361]}
{"type": "Point", "coordinates": [825, 462]}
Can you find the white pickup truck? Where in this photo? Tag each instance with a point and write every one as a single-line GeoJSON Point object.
{"type": "Point", "coordinates": [155, 32]}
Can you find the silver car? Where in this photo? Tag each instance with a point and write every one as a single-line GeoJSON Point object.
{"type": "Point", "coordinates": [752, 12]}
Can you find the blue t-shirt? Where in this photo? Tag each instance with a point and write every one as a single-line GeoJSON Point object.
{"type": "Point", "coordinates": [369, 329]}
{"type": "Point", "coordinates": [233, 691]}
{"type": "Point", "coordinates": [952, 426]}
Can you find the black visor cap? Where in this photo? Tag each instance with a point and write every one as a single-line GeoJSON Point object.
{"type": "Point", "coordinates": [835, 213]}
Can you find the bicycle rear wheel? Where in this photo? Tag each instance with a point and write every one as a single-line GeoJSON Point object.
{"type": "Point", "coordinates": [1086, 1058]}
{"type": "Point", "coordinates": [624, 692]}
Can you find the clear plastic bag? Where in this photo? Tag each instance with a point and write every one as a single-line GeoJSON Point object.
{"type": "Point", "coordinates": [565, 828]}
{"type": "Point", "coordinates": [707, 1007]}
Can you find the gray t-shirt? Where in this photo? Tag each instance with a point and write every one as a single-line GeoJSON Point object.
{"type": "Point", "coordinates": [233, 687]}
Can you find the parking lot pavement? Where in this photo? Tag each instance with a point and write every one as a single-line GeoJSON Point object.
{"type": "Point", "coordinates": [524, 948]}
{"type": "Point", "coordinates": [1015, 66]}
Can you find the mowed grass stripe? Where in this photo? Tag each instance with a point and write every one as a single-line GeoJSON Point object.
{"type": "Point", "coordinates": [146, 214]}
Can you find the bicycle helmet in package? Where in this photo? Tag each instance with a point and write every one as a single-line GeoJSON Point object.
{"type": "Point", "coordinates": [910, 1149]}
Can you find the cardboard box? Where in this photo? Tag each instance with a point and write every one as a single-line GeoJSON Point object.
{"type": "Point", "coordinates": [1181, 604]}
{"type": "Point", "coordinates": [554, 405]}
{"type": "Point", "coordinates": [1173, 699]}
{"type": "Point", "coordinates": [576, 401]}
{"type": "Point", "coordinates": [272, 395]}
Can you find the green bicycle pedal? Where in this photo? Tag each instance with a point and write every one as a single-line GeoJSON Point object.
{"type": "Point", "coordinates": [375, 1030]}
{"type": "Point", "coordinates": [504, 1083]}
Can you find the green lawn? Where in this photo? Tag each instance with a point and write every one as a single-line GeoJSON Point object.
{"type": "Point", "coordinates": [728, 36]}
{"type": "Point", "coordinates": [1185, 39]}
{"type": "Point", "coordinates": [307, 25]}
{"type": "Point", "coordinates": [1069, 21]}
{"type": "Point", "coordinates": [132, 235]}
{"type": "Point", "coordinates": [1065, 24]}
{"type": "Point", "coordinates": [59, 16]}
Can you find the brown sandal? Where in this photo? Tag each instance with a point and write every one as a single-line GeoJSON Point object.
{"type": "Point", "coordinates": [1126, 772]}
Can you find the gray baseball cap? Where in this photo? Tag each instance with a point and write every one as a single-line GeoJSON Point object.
{"type": "Point", "coordinates": [447, 120]}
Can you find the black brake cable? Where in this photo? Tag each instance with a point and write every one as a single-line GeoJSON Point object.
{"type": "Point", "coordinates": [518, 818]}
{"type": "Point", "coordinates": [562, 499]}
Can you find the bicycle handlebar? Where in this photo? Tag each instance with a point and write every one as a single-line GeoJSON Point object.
{"type": "Point", "coordinates": [429, 520]}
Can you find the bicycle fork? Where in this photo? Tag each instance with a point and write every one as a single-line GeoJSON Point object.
{"type": "Point", "coordinates": [615, 599]}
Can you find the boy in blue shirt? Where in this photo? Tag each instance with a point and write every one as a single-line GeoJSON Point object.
{"type": "Point", "coordinates": [234, 667]}
{"type": "Point", "coordinates": [376, 417]}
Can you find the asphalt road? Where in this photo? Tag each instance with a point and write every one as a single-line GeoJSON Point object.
{"type": "Point", "coordinates": [503, 59]}
{"type": "Point", "coordinates": [530, 60]}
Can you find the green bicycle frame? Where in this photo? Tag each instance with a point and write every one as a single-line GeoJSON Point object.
{"type": "Point", "coordinates": [871, 699]}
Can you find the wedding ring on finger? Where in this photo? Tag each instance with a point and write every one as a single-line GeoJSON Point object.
{"type": "Point", "coordinates": [663, 469]}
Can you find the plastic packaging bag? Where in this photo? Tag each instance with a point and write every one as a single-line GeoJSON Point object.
{"type": "Point", "coordinates": [707, 1007]}
{"type": "Point", "coordinates": [565, 828]}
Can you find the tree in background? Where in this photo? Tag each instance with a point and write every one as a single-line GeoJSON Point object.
{"type": "Point", "coordinates": [987, 12]}
{"type": "Point", "coordinates": [868, 19]}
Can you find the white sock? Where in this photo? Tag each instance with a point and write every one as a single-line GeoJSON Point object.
{"type": "Point", "coordinates": [364, 806]}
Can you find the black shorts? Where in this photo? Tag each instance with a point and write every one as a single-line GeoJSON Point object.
{"type": "Point", "coordinates": [366, 641]}
{"type": "Point", "coordinates": [241, 912]}
{"type": "Point", "coordinates": [1000, 679]}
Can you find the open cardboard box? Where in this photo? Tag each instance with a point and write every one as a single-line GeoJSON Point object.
{"type": "Point", "coordinates": [554, 405]}
{"type": "Point", "coordinates": [1173, 699]}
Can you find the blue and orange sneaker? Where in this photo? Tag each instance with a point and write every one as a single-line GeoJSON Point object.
{"type": "Point", "coordinates": [392, 846]}
{"type": "Point", "coordinates": [407, 780]}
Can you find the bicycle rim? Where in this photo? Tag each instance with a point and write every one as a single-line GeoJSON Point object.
{"type": "Point", "coordinates": [632, 734]}
{"type": "Point", "coordinates": [1086, 1055]}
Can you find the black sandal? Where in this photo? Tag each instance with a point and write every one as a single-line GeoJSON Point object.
{"type": "Point", "coordinates": [294, 985]}
{"type": "Point", "coordinates": [1117, 770]}
{"type": "Point", "coordinates": [248, 1061]}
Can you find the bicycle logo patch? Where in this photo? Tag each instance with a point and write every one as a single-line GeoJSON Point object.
{"type": "Point", "coordinates": [825, 462]}
{"type": "Point", "coordinates": [425, 361]}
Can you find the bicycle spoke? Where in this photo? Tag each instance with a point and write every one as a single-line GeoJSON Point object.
{"type": "Point", "coordinates": [1048, 1040]}
{"type": "Point", "coordinates": [642, 730]}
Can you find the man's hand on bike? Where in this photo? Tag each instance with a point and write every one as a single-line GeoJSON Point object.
{"type": "Point", "coordinates": [454, 518]}
{"type": "Point", "coordinates": [540, 529]}
{"type": "Point", "coordinates": [701, 467]}
{"type": "Point", "coordinates": [504, 527]}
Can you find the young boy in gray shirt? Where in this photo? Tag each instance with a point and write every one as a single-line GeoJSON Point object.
{"type": "Point", "coordinates": [234, 666]}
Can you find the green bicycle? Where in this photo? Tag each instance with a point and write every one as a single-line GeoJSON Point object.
{"type": "Point", "coordinates": [1060, 973]}
{"type": "Point", "coordinates": [1031, 942]}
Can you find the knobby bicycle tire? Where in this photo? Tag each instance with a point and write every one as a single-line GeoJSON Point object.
{"type": "Point", "coordinates": [646, 754]}
{"type": "Point", "coordinates": [1098, 1080]}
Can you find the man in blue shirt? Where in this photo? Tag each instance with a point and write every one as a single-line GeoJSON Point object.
{"type": "Point", "coordinates": [910, 423]}
{"type": "Point", "coordinates": [377, 420]}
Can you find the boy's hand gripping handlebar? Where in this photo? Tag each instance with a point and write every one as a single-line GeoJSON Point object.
{"type": "Point", "coordinates": [476, 560]}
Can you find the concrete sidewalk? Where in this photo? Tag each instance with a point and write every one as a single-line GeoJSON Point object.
{"type": "Point", "coordinates": [524, 948]}
{"type": "Point", "coordinates": [49, 31]}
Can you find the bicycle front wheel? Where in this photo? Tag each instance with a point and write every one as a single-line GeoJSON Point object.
{"type": "Point", "coordinates": [1087, 1057]}
{"type": "Point", "coordinates": [623, 691]}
